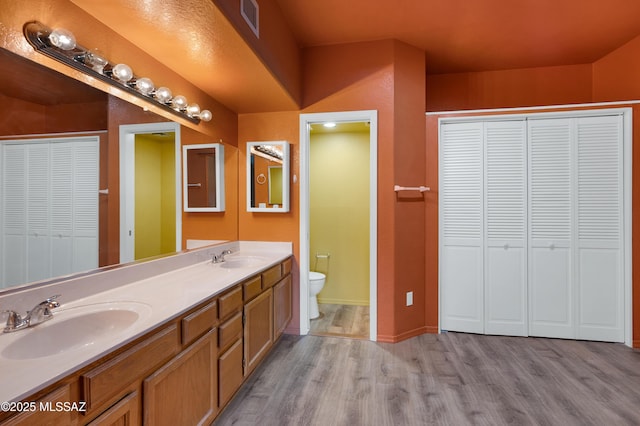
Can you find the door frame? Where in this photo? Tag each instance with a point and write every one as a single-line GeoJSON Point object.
{"type": "Point", "coordinates": [627, 165]}
{"type": "Point", "coordinates": [305, 126]}
{"type": "Point", "coordinates": [128, 133]}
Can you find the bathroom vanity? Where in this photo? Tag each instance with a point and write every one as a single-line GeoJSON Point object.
{"type": "Point", "coordinates": [171, 348]}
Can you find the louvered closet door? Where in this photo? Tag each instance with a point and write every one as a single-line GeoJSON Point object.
{"type": "Point", "coordinates": [551, 306]}
{"type": "Point", "coordinates": [599, 270]}
{"type": "Point", "coordinates": [38, 212]}
{"type": "Point", "coordinates": [461, 227]}
{"type": "Point", "coordinates": [505, 235]}
{"type": "Point", "coordinates": [14, 223]}
{"type": "Point", "coordinates": [49, 209]}
{"type": "Point", "coordinates": [74, 205]}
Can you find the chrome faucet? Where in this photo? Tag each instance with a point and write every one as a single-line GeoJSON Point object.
{"type": "Point", "coordinates": [42, 311]}
{"type": "Point", "coordinates": [39, 314]}
{"type": "Point", "coordinates": [14, 322]}
{"type": "Point", "coordinates": [219, 258]}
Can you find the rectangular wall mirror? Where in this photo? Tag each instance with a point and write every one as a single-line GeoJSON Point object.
{"type": "Point", "coordinates": [203, 177]}
{"type": "Point", "coordinates": [268, 176]}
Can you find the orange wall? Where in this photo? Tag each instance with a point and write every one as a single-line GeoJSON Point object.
{"type": "Point", "coordinates": [18, 117]}
{"type": "Point", "coordinates": [509, 88]}
{"type": "Point", "coordinates": [409, 207]}
{"type": "Point", "coordinates": [616, 76]}
{"type": "Point", "coordinates": [215, 225]}
{"type": "Point", "coordinates": [255, 226]}
{"type": "Point", "coordinates": [387, 76]}
{"type": "Point", "coordinates": [360, 77]}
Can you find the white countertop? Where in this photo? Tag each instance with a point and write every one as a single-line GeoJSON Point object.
{"type": "Point", "coordinates": [166, 295]}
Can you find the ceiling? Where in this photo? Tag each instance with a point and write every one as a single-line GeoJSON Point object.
{"type": "Point", "coordinates": [473, 35]}
{"type": "Point", "coordinates": [456, 35]}
{"type": "Point", "coordinates": [345, 127]}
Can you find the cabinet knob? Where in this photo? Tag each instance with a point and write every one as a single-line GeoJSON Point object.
{"type": "Point", "coordinates": [552, 246]}
{"type": "Point", "coordinates": [506, 246]}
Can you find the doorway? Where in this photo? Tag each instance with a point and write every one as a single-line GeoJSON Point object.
{"type": "Point", "coordinates": [150, 169]}
{"type": "Point", "coordinates": [316, 252]}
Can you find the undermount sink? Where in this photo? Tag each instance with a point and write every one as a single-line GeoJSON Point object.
{"type": "Point", "coordinates": [75, 328]}
{"type": "Point", "coordinates": [232, 262]}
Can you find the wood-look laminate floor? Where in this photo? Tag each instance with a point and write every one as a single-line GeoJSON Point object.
{"type": "Point", "coordinates": [342, 321]}
{"type": "Point", "coordinates": [447, 379]}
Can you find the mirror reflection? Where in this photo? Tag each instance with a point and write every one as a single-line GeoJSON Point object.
{"type": "Point", "coordinates": [268, 176]}
{"type": "Point", "coordinates": [60, 202]}
{"type": "Point", "coordinates": [203, 177]}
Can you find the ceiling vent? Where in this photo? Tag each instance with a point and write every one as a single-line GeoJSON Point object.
{"type": "Point", "coordinates": [251, 13]}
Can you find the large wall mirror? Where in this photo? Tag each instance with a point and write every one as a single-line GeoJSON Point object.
{"type": "Point", "coordinates": [268, 176]}
{"type": "Point", "coordinates": [55, 129]}
{"type": "Point", "coordinates": [203, 177]}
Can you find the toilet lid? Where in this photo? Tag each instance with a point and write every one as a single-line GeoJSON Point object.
{"type": "Point", "coordinates": [315, 276]}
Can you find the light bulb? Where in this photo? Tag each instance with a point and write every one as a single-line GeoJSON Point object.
{"type": "Point", "coordinates": [163, 94]}
{"type": "Point", "coordinates": [193, 110]}
{"type": "Point", "coordinates": [205, 115]}
{"type": "Point", "coordinates": [144, 85]}
{"type": "Point", "coordinates": [95, 61]}
{"type": "Point", "coordinates": [62, 39]}
{"type": "Point", "coordinates": [122, 72]}
{"type": "Point", "coordinates": [179, 102]}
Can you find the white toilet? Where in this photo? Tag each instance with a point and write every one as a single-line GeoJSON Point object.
{"type": "Point", "coordinates": [316, 282]}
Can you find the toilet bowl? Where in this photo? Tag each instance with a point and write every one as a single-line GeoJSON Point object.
{"type": "Point", "coordinates": [316, 282]}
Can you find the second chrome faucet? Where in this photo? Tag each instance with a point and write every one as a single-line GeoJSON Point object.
{"type": "Point", "coordinates": [219, 258]}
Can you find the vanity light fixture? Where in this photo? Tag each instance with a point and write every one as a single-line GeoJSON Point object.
{"type": "Point", "coordinates": [268, 151]}
{"type": "Point", "coordinates": [61, 45]}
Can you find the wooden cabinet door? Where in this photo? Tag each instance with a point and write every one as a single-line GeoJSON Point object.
{"type": "Point", "coordinates": [125, 412]}
{"type": "Point", "coordinates": [230, 372]}
{"type": "Point", "coordinates": [184, 391]}
{"type": "Point", "coordinates": [258, 329]}
{"type": "Point", "coordinates": [282, 308]}
{"type": "Point", "coordinates": [46, 417]}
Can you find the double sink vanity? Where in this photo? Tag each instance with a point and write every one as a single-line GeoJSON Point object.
{"type": "Point", "coordinates": [168, 341]}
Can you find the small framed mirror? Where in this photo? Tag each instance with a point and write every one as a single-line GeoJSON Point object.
{"type": "Point", "coordinates": [203, 177]}
{"type": "Point", "coordinates": [268, 176]}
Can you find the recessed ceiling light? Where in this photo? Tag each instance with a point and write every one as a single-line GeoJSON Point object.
{"type": "Point", "coordinates": [330, 124]}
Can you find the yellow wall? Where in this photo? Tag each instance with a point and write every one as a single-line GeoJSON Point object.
{"type": "Point", "coordinates": [339, 215]}
{"type": "Point", "coordinates": [155, 196]}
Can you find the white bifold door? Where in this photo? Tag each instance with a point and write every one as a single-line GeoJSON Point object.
{"type": "Point", "coordinates": [49, 209]}
{"type": "Point", "coordinates": [531, 226]}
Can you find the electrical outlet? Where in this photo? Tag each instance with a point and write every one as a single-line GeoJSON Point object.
{"type": "Point", "coordinates": [409, 298]}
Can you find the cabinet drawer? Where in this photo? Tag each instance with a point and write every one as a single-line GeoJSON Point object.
{"type": "Point", "coordinates": [230, 331]}
{"type": "Point", "coordinates": [197, 323]}
{"type": "Point", "coordinates": [286, 267]}
{"type": "Point", "coordinates": [109, 379]}
{"type": "Point", "coordinates": [252, 288]}
{"type": "Point", "coordinates": [271, 276]}
{"type": "Point", "coordinates": [230, 302]}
